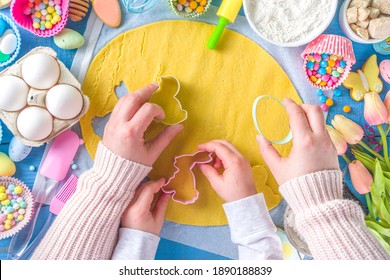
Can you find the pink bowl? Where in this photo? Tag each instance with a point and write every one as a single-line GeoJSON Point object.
{"type": "Point", "coordinates": [331, 44]}
{"type": "Point", "coordinates": [25, 21]}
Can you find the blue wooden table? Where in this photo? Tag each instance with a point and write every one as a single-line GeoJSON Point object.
{"type": "Point", "coordinates": [29, 41]}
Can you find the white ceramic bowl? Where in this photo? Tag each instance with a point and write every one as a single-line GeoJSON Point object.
{"type": "Point", "coordinates": [347, 29]}
{"type": "Point", "coordinates": [314, 34]}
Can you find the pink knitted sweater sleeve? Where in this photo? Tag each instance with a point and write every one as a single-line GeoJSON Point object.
{"type": "Point", "coordinates": [334, 228]}
{"type": "Point", "coordinates": [87, 226]}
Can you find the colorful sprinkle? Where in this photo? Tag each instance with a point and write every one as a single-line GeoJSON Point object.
{"type": "Point", "coordinates": [346, 109]}
{"type": "Point", "coordinates": [11, 213]}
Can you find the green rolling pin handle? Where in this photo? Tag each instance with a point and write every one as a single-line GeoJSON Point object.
{"type": "Point", "coordinates": [213, 42]}
{"type": "Point", "coordinates": [285, 140]}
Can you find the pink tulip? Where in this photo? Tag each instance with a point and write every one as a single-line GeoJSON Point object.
{"type": "Point", "coordinates": [349, 130]}
{"type": "Point", "coordinates": [387, 104]}
{"type": "Point", "coordinates": [338, 140]}
{"type": "Point", "coordinates": [360, 177]}
{"type": "Point", "coordinates": [375, 111]}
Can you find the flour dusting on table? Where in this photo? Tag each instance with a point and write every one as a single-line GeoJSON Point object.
{"type": "Point", "coordinates": [287, 21]}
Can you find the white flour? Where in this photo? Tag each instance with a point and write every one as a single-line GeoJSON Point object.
{"type": "Point", "coordinates": [287, 21]}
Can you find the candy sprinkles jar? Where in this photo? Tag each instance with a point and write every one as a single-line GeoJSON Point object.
{"type": "Point", "coordinates": [328, 61]}
{"type": "Point", "coordinates": [189, 8]}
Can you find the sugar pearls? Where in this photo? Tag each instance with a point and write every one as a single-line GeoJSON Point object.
{"type": "Point", "coordinates": [190, 7]}
{"type": "Point", "coordinates": [44, 14]}
{"type": "Point", "coordinates": [13, 206]}
{"type": "Point", "coordinates": [324, 70]}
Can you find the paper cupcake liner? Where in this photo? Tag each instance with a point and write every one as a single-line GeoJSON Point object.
{"type": "Point", "coordinates": [28, 198]}
{"type": "Point", "coordinates": [18, 43]}
{"type": "Point", "coordinates": [331, 44]}
{"type": "Point", "coordinates": [183, 14]}
{"type": "Point", "coordinates": [25, 21]}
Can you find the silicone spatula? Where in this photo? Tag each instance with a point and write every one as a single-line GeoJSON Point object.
{"type": "Point", "coordinates": [54, 167]}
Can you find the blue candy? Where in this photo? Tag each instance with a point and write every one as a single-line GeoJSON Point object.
{"type": "Point", "coordinates": [10, 209]}
{"type": "Point", "coordinates": [323, 98]}
{"type": "Point", "coordinates": [342, 64]}
{"type": "Point", "coordinates": [322, 71]}
{"type": "Point", "coordinates": [324, 55]}
{"type": "Point", "coordinates": [337, 92]}
{"type": "Point", "coordinates": [309, 65]}
{"type": "Point", "coordinates": [3, 26]}
{"type": "Point", "coordinates": [319, 91]}
{"type": "Point", "coordinates": [37, 20]}
{"type": "Point", "coordinates": [11, 187]}
{"type": "Point", "coordinates": [42, 6]}
{"type": "Point", "coordinates": [323, 63]}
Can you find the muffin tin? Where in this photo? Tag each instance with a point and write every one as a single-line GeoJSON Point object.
{"type": "Point", "coordinates": [41, 97]}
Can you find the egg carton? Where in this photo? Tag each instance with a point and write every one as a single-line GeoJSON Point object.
{"type": "Point", "coordinates": [37, 98]}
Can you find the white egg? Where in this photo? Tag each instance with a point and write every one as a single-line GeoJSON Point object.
{"type": "Point", "coordinates": [41, 71]}
{"type": "Point", "coordinates": [17, 151]}
{"type": "Point", "coordinates": [35, 123]}
{"type": "Point", "coordinates": [8, 42]}
{"type": "Point", "coordinates": [13, 93]}
{"type": "Point", "coordinates": [64, 102]}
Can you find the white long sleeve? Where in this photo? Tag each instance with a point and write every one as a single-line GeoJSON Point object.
{"type": "Point", "coordinates": [252, 229]}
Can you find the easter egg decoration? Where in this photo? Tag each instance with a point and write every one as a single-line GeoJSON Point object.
{"type": "Point", "coordinates": [385, 70]}
{"type": "Point", "coordinates": [69, 39]}
{"type": "Point", "coordinates": [17, 150]}
{"type": "Point", "coordinates": [7, 166]}
{"type": "Point", "coordinates": [8, 42]}
{"type": "Point", "coordinates": [109, 11]}
{"type": "Point", "coordinates": [14, 92]}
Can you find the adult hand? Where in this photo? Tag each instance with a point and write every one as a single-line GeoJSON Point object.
{"type": "Point", "coordinates": [124, 132]}
{"type": "Point", "coordinates": [236, 181]}
{"type": "Point", "coordinates": [312, 148]}
{"type": "Point", "coordinates": [139, 215]}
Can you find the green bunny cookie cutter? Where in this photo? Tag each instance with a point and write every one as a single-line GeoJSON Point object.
{"type": "Point", "coordinates": [166, 97]}
{"type": "Point", "coordinates": [286, 139]}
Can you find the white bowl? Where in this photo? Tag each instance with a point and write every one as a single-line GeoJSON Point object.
{"type": "Point", "coordinates": [314, 34]}
{"type": "Point", "coordinates": [347, 29]}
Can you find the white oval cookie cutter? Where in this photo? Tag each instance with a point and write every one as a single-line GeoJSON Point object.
{"type": "Point", "coordinates": [286, 139]}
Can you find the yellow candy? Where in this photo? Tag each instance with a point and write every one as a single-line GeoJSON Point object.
{"type": "Point", "coordinates": [200, 9]}
{"type": "Point", "coordinates": [204, 3]}
{"type": "Point", "coordinates": [10, 216]}
{"type": "Point", "coordinates": [328, 69]}
{"type": "Point", "coordinates": [50, 9]}
{"type": "Point", "coordinates": [318, 81]}
{"type": "Point", "coordinates": [323, 83]}
{"type": "Point", "coordinates": [340, 70]}
{"type": "Point", "coordinates": [7, 226]}
{"type": "Point", "coordinates": [6, 202]}
{"type": "Point", "coordinates": [53, 21]}
{"type": "Point", "coordinates": [45, 2]}
{"type": "Point", "coordinates": [193, 5]}
{"type": "Point", "coordinates": [18, 190]}
{"type": "Point", "coordinates": [313, 79]}
{"type": "Point", "coordinates": [7, 222]}
{"type": "Point", "coordinates": [49, 17]}
{"type": "Point", "coordinates": [48, 25]}
{"type": "Point", "coordinates": [57, 18]}
{"type": "Point", "coordinates": [2, 189]}
{"type": "Point", "coordinates": [329, 102]}
{"type": "Point", "coordinates": [182, 2]}
{"type": "Point", "coordinates": [38, 14]}
{"type": "Point", "coordinates": [331, 63]}
{"type": "Point", "coordinates": [333, 57]}
{"type": "Point", "coordinates": [20, 217]}
{"type": "Point", "coordinates": [198, 0]}
{"type": "Point", "coordinates": [36, 25]}
{"type": "Point", "coordinates": [3, 196]}
{"type": "Point", "coordinates": [346, 109]}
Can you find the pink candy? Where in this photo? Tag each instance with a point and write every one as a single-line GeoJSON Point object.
{"type": "Point", "coordinates": [324, 107]}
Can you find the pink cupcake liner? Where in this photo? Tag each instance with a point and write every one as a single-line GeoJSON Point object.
{"type": "Point", "coordinates": [27, 196]}
{"type": "Point", "coordinates": [25, 21]}
{"type": "Point", "coordinates": [331, 44]}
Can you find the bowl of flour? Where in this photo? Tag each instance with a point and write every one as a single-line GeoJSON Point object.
{"type": "Point", "coordinates": [289, 23]}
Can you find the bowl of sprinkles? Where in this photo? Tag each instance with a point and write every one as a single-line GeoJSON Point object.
{"type": "Point", "coordinates": [16, 206]}
{"type": "Point", "coordinates": [44, 18]}
{"type": "Point", "coordinates": [327, 61]}
{"type": "Point", "coordinates": [189, 8]}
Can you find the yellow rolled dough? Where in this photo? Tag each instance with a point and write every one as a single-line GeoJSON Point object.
{"type": "Point", "coordinates": [217, 89]}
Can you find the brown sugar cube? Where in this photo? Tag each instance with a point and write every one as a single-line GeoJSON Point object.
{"type": "Point", "coordinates": [360, 3]}
{"type": "Point", "coordinates": [379, 28]}
{"type": "Point", "coordinates": [362, 32]}
{"type": "Point", "coordinates": [363, 14]}
{"type": "Point", "coordinates": [363, 24]}
{"type": "Point", "coordinates": [374, 12]}
{"type": "Point", "coordinates": [352, 15]}
{"type": "Point", "coordinates": [382, 5]}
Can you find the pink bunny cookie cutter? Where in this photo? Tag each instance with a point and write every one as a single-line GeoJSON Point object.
{"type": "Point", "coordinates": [208, 158]}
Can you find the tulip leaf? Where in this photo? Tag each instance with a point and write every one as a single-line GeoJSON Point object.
{"type": "Point", "coordinates": [383, 242]}
{"type": "Point", "coordinates": [384, 231]}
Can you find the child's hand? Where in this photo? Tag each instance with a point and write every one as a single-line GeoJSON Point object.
{"type": "Point", "coordinates": [139, 215]}
{"type": "Point", "coordinates": [124, 132]}
{"type": "Point", "coordinates": [237, 181]}
{"type": "Point", "coordinates": [312, 148]}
